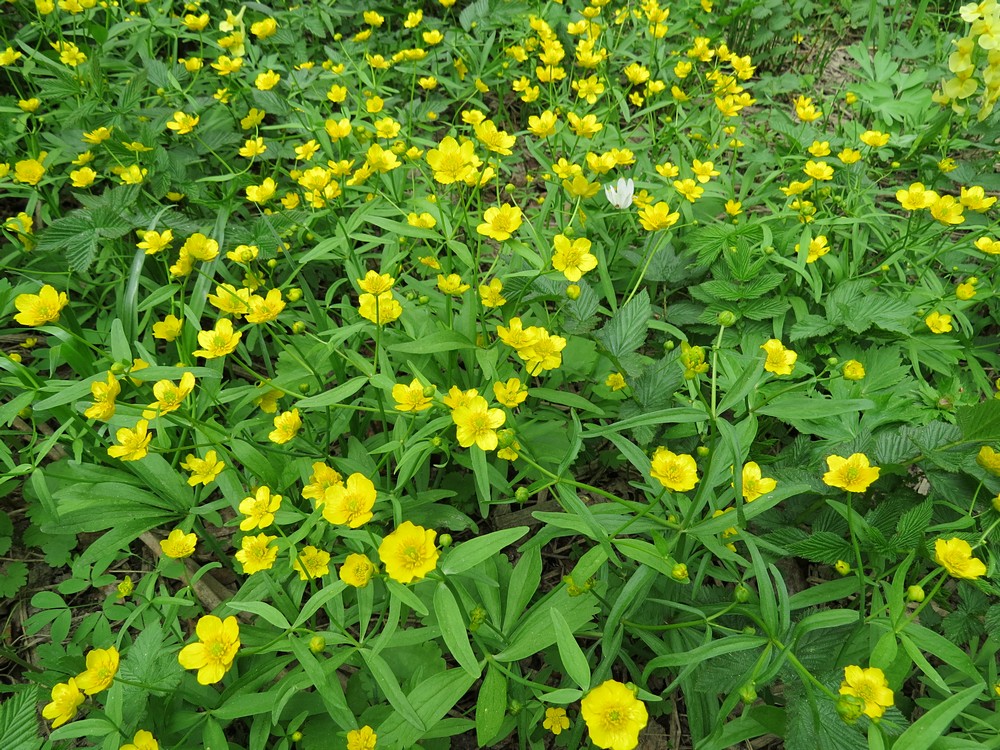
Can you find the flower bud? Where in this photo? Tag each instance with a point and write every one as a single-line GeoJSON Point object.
{"type": "Point", "coordinates": [26, 412]}
{"type": "Point", "coordinates": [522, 495]}
{"type": "Point", "coordinates": [573, 291]}
{"type": "Point", "coordinates": [727, 318]}
{"type": "Point", "coordinates": [294, 294]}
{"type": "Point", "coordinates": [298, 326]}
{"type": "Point", "coordinates": [669, 346]}
{"type": "Point", "coordinates": [117, 368]}
{"type": "Point", "coordinates": [748, 693]}
{"type": "Point", "coordinates": [423, 299]}
{"type": "Point", "coordinates": [514, 707]}
{"type": "Point", "coordinates": [296, 736]}
{"type": "Point", "coordinates": [679, 572]}
{"type": "Point", "coordinates": [445, 541]}
{"type": "Point", "coordinates": [996, 503]}
{"type": "Point", "coordinates": [317, 644]}
{"type": "Point", "coordinates": [429, 391]}
{"type": "Point", "coordinates": [703, 450]}
{"type": "Point", "coordinates": [125, 587]}
{"type": "Point", "coordinates": [843, 567]}
{"type": "Point", "coordinates": [476, 618]}
{"type": "Point", "coordinates": [505, 438]}
{"type": "Point", "coordinates": [741, 593]}
{"type": "Point", "coordinates": [273, 263]}
{"type": "Point", "coordinates": [915, 594]}
{"type": "Point", "coordinates": [303, 388]}
{"type": "Point", "coordinates": [832, 361]}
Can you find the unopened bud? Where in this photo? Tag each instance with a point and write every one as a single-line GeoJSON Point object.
{"type": "Point", "coordinates": [298, 326]}
{"type": "Point", "coordinates": [679, 572]}
{"type": "Point", "coordinates": [850, 708]}
{"type": "Point", "coordinates": [294, 294]}
{"type": "Point", "coordinates": [573, 291]}
{"type": "Point", "coordinates": [741, 593]}
{"type": "Point", "coordinates": [915, 594]}
{"type": "Point", "coordinates": [445, 541]}
{"type": "Point", "coordinates": [296, 736]}
{"type": "Point", "coordinates": [703, 450]}
{"type": "Point", "coordinates": [303, 388]}
{"type": "Point", "coordinates": [317, 644]}
{"type": "Point", "coordinates": [727, 318]}
{"type": "Point", "coordinates": [522, 495]}
{"type": "Point", "coordinates": [748, 693]}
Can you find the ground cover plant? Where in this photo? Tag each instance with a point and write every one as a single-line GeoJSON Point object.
{"type": "Point", "coordinates": [499, 374]}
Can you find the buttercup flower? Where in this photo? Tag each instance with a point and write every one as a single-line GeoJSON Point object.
{"type": "Point", "coordinates": [500, 223]}
{"type": "Point", "coordinates": [357, 570]}
{"type": "Point", "coordinates": [870, 686]}
{"type": "Point", "coordinates": [938, 323]}
{"type": "Point", "coordinates": [614, 716]}
{"type": "Point", "coordinates": [220, 341]}
{"type": "Point", "coordinates": [853, 370]}
{"type": "Point", "coordinates": [169, 396]}
{"type": "Point", "coordinates": [38, 309]}
{"type": "Point", "coordinates": [311, 563]}
{"type": "Point", "coordinates": [203, 470]}
{"type": "Point", "coordinates": [133, 443]}
{"type": "Point", "coordinates": [676, 472]}
{"type": "Point", "coordinates": [754, 483]}
{"type": "Point", "coordinates": [322, 479]}
{"type": "Point", "coordinates": [102, 666]}
{"type": "Point", "coordinates": [213, 655]}
{"type": "Point", "coordinates": [66, 699]}
{"type": "Point", "coordinates": [408, 553]}
{"type": "Point", "coordinates": [853, 474]}
{"type": "Point", "coordinates": [572, 257]}
{"type": "Point", "coordinates": [556, 720]}
{"type": "Point", "coordinates": [286, 426]}
{"type": "Point", "coordinates": [779, 360]}
{"type": "Point", "coordinates": [257, 554]}
{"type": "Point", "coordinates": [477, 424]}
{"type": "Point", "coordinates": [361, 739]}
{"type": "Point", "coordinates": [259, 509]}
{"type": "Point", "coordinates": [104, 392]}
{"type": "Point", "coordinates": [142, 740]}
{"type": "Point", "coordinates": [178, 545]}
{"type": "Point", "coordinates": [350, 503]}
{"type": "Point", "coordinates": [955, 556]}
{"type": "Point", "coordinates": [656, 217]}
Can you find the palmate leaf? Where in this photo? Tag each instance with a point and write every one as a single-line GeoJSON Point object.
{"type": "Point", "coordinates": [813, 724]}
{"type": "Point", "coordinates": [626, 331]}
{"type": "Point", "coordinates": [981, 422]}
{"type": "Point", "coordinates": [822, 547]}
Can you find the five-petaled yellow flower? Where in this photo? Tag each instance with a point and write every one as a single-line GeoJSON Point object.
{"type": "Point", "coordinates": [614, 716]}
{"type": "Point", "coordinates": [38, 309]}
{"type": "Point", "coordinates": [351, 502]}
{"type": "Point", "coordinates": [361, 739]}
{"type": "Point", "coordinates": [870, 686]}
{"type": "Point", "coordinates": [259, 509]}
{"type": "Point", "coordinates": [213, 654]}
{"type": "Point", "coordinates": [218, 342]}
{"type": "Point", "coordinates": [955, 556]}
{"type": "Point", "coordinates": [779, 360]}
{"type": "Point", "coordinates": [286, 426]}
{"type": "Point", "coordinates": [556, 720]}
{"type": "Point", "coordinates": [477, 423]}
{"type": "Point", "coordinates": [573, 257]}
{"type": "Point", "coordinates": [143, 740]}
{"type": "Point", "coordinates": [203, 470]}
{"type": "Point", "coordinates": [311, 563]}
{"type": "Point", "coordinates": [102, 666]}
{"type": "Point", "coordinates": [408, 553]}
{"type": "Point", "coordinates": [133, 443]}
{"type": "Point", "coordinates": [357, 570]}
{"type": "Point", "coordinates": [179, 545]}
{"type": "Point", "coordinates": [257, 554]}
{"type": "Point", "coordinates": [676, 472]}
{"type": "Point", "coordinates": [66, 699]}
{"type": "Point", "coordinates": [853, 474]}
{"type": "Point", "coordinates": [499, 223]}
{"type": "Point", "coordinates": [754, 483]}
{"type": "Point", "coordinates": [411, 397]}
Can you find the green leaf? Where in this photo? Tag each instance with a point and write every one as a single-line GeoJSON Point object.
{"type": "Point", "coordinates": [335, 395]}
{"type": "Point", "coordinates": [149, 664]}
{"type": "Point", "coordinates": [19, 721]}
{"type": "Point", "coordinates": [980, 423]}
{"type": "Point", "coordinates": [535, 633]}
{"type": "Point", "coordinates": [440, 341]}
{"type": "Point", "coordinates": [572, 656]}
{"type": "Point", "coordinates": [565, 398]}
{"type": "Point", "coordinates": [14, 577]}
{"type": "Point", "coordinates": [433, 698]}
{"type": "Point", "coordinates": [924, 731]}
{"type": "Point", "coordinates": [524, 580]}
{"type": "Point", "coordinates": [822, 547]}
{"type": "Point", "coordinates": [472, 552]}
{"type": "Point", "coordinates": [491, 706]}
{"type": "Point", "coordinates": [326, 682]}
{"type": "Point", "coordinates": [626, 331]}
{"type": "Point", "coordinates": [386, 680]}
{"type": "Point", "coordinates": [797, 407]}
{"type": "Point", "coordinates": [451, 621]}
{"type": "Point", "coordinates": [263, 610]}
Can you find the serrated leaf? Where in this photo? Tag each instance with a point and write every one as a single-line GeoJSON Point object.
{"type": "Point", "coordinates": [474, 13]}
{"type": "Point", "coordinates": [811, 326]}
{"type": "Point", "coordinates": [822, 547]}
{"type": "Point", "coordinates": [981, 422]}
{"type": "Point", "coordinates": [912, 525]}
{"type": "Point", "coordinates": [13, 577]}
{"type": "Point", "coordinates": [626, 331]}
{"type": "Point", "coordinates": [763, 309]}
{"type": "Point", "coordinates": [992, 622]}
{"type": "Point", "coordinates": [149, 664]}
{"type": "Point", "coordinates": [19, 722]}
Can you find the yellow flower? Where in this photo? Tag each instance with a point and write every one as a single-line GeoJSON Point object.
{"type": "Point", "coordinates": [218, 342]}
{"type": "Point", "coordinates": [257, 554]}
{"type": "Point", "coordinates": [955, 556]}
{"type": "Point", "coordinates": [818, 170]}
{"type": "Point", "coordinates": [203, 470]}
{"type": "Point", "coordinates": [853, 370]}
{"type": "Point", "coordinates": [213, 655]}
{"type": "Point", "coordinates": [311, 563]}
{"type": "Point", "coordinates": [66, 699]}
{"type": "Point", "coordinates": [842, 567]}
{"type": "Point", "coordinates": [153, 242]}
{"type": "Point", "coordinates": [262, 193]}
{"type": "Point", "coordinates": [874, 138]}
{"type": "Point", "coordinates": [452, 162]}
{"type": "Point", "coordinates": [657, 217]}
{"type": "Point", "coordinates": [69, 53]}
{"type": "Point", "coordinates": [676, 472]}
{"type": "Point", "coordinates": [499, 223]}
{"type": "Point", "coordinates": [408, 553]}
{"type": "Point", "coordinates": [975, 199]}
{"type": "Point", "coordinates": [421, 221]}
{"type": "Point", "coordinates": [779, 360]}
{"type": "Point", "coordinates": [870, 686]}
{"type": "Point", "coordinates": [169, 396]}
{"type": "Point", "coordinates": [183, 123]}
{"type": "Point", "coordinates": [264, 29]}
{"type": "Point", "coordinates": [938, 323]}
{"type": "Point", "coordinates": [989, 459]}
{"type": "Point", "coordinates": [102, 666]}
{"type": "Point", "coordinates": [916, 197]}
{"type": "Point", "coordinates": [38, 309]}
{"type": "Point", "coordinates": [134, 443]}
{"type": "Point", "coordinates": [142, 740]}
{"type": "Point", "coordinates": [361, 739]}
{"type": "Point", "coordinates": [380, 310]}
{"type": "Point", "coordinates": [614, 716]}
{"type": "Point", "coordinates": [9, 56]}
{"type": "Point", "coordinates": [322, 479]}
{"type": "Point", "coordinates": [452, 284]}
{"type": "Point", "coordinates": [818, 247]}
{"type": "Point", "coordinates": [350, 503]}
{"type": "Point", "coordinates": [849, 156]}
{"type": "Point", "coordinates": [615, 381]}
{"type": "Point", "coordinates": [490, 294]}
{"type": "Point", "coordinates": [229, 299]}
{"type": "Point", "coordinates": [572, 257]}
{"type": "Point", "coordinates": [947, 210]}
{"type": "Point", "coordinates": [988, 245]}
{"type": "Point", "coordinates": [495, 140]}
{"type": "Point", "coordinates": [267, 81]}
{"type": "Point", "coordinates": [511, 393]}
{"type": "Point", "coordinates": [104, 392]}
{"type": "Point", "coordinates": [805, 110]}
{"type": "Point", "coordinates": [82, 177]}
{"type": "Point", "coordinates": [853, 474]}
{"type": "Point", "coordinates": [544, 352]}
{"type": "Point", "coordinates": [754, 484]}
{"type": "Point", "coordinates": [410, 397]}
{"type": "Point", "coordinates": [477, 424]}
{"type": "Point", "coordinates": [264, 309]}
{"type": "Point", "coordinates": [555, 720]}
{"type": "Point", "coordinates": [259, 509]}
{"type": "Point", "coordinates": [704, 171]}
{"type": "Point", "coordinates": [178, 545]}
{"type": "Point", "coordinates": [357, 570]}
{"type": "Point", "coordinates": [689, 189]}
{"type": "Point", "coordinates": [168, 329]}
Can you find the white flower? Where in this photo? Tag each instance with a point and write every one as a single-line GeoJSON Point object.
{"type": "Point", "coordinates": [620, 193]}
